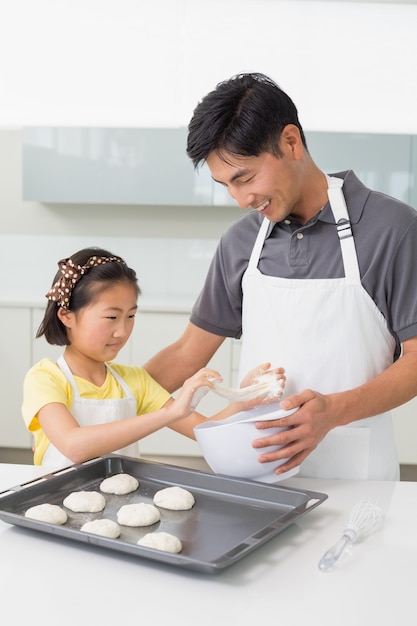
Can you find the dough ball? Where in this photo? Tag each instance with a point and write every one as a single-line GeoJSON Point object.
{"type": "Point", "coordinates": [174, 498]}
{"type": "Point", "coordinates": [103, 527]}
{"type": "Point", "coordinates": [85, 502]}
{"type": "Point", "coordinates": [138, 514]}
{"type": "Point", "coordinates": [161, 541]}
{"type": "Point", "coordinates": [51, 513]}
{"type": "Point", "coordinates": [119, 484]}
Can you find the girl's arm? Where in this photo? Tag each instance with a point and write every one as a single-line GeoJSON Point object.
{"type": "Point", "coordinates": [83, 443]}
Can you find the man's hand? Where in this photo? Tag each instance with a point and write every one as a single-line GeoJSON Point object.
{"type": "Point", "coordinates": [306, 428]}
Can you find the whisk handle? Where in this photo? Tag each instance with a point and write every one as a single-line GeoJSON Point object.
{"type": "Point", "coordinates": [330, 557]}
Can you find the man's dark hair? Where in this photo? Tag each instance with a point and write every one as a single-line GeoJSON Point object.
{"type": "Point", "coordinates": [244, 115]}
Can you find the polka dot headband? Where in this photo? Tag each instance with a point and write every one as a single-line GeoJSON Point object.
{"type": "Point", "coordinates": [61, 291]}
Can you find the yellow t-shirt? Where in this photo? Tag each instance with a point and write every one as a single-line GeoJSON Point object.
{"type": "Point", "coordinates": [46, 383]}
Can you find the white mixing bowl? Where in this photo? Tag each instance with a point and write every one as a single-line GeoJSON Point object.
{"type": "Point", "coordinates": [227, 445]}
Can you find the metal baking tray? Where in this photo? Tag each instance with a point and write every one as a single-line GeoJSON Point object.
{"type": "Point", "coordinates": [230, 517]}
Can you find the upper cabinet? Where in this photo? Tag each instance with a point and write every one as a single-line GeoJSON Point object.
{"type": "Point", "coordinates": [112, 166]}
{"type": "Point", "coordinates": [382, 162]}
{"type": "Point", "coordinates": [149, 166]}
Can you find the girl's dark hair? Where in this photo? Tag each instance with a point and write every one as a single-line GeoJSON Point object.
{"type": "Point", "coordinates": [244, 115]}
{"type": "Point", "coordinates": [91, 284]}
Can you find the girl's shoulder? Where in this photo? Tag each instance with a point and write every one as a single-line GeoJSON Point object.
{"type": "Point", "coordinates": [46, 366]}
{"type": "Point", "coordinates": [46, 375]}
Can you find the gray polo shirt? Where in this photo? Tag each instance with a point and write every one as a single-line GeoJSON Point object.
{"type": "Point", "coordinates": [385, 233]}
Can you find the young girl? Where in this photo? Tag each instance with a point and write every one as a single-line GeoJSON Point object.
{"type": "Point", "coordinates": [85, 405]}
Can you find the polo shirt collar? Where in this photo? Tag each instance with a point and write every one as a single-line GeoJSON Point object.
{"type": "Point", "coordinates": [356, 195]}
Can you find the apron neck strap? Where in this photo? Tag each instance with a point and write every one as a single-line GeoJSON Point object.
{"type": "Point", "coordinates": [343, 227]}
{"type": "Point", "coordinates": [259, 243]}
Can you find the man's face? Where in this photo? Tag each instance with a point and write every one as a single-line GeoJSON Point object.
{"type": "Point", "coordinates": [265, 183]}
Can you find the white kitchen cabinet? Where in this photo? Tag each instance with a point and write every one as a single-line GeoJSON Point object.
{"type": "Point", "coordinates": [142, 166]}
{"type": "Point", "coordinates": [149, 166]}
{"type": "Point", "coordinates": [381, 161]}
{"type": "Point", "coordinates": [15, 346]}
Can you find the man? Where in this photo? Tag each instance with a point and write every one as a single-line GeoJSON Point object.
{"type": "Point", "coordinates": [318, 276]}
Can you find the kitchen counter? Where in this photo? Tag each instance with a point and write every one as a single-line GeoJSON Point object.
{"type": "Point", "coordinates": [279, 582]}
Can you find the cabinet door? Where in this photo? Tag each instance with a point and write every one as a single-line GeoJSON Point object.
{"type": "Point", "coordinates": [112, 166]}
{"type": "Point", "coordinates": [382, 162]}
{"type": "Point", "coordinates": [154, 331]}
{"type": "Point", "coordinates": [15, 357]}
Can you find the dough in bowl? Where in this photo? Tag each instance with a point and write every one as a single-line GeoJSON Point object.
{"type": "Point", "coordinates": [51, 513]}
{"type": "Point", "coordinates": [85, 502]}
{"type": "Point", "coordinates": [161, 541]}
{"type": "Point", "coordinates": [103, 527]}
{"type": "Point", "coordinates": [174, 498]}
{"type": "Point", "coordinates": [138, 514]}
{"type": "Point", "coordinates": [119, 484]}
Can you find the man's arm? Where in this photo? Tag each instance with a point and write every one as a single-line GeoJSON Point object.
{"type": "Point", "coordinates": [183, 358]}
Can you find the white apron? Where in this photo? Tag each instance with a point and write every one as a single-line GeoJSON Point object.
{"type": "Point", "coordinates": [88, 412]}
{"type": "Point", "coordinates": [329, 336]}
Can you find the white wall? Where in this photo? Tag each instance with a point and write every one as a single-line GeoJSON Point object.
{"type": "Point", "coordinates": [348, 65]}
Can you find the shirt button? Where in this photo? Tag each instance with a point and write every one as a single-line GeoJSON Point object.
{"type": "Point", "coordinates": [300, 235]}
{"type": "Point", "coordinates": [287, 222]}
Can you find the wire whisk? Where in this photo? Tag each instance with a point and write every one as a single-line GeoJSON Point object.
{"type": "Point", "coordinates": [365, 517]}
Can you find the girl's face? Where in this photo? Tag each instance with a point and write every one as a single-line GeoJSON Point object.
{"type": "Point", "coordinates": [100, 330]}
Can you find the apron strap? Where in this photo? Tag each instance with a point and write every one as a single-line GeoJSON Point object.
{"type": "Point", "coordinates": [343, 227]}
{"type": "Point", "coordinates": [63, 366]}
{"type": "Point", "coordinates": [121, 382]}
{"type": "Point", "coordinates": [69, 376]}
{"type": "Point", "coordinates": [260, 239]}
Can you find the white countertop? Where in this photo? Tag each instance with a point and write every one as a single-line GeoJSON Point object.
{"type": "Point", "coordinates": [278, 583]}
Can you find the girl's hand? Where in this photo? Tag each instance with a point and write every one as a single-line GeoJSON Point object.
{"type": "Point", "coordinates": [266, 397]}
{"type": "Point", "coordinates": [193, 390]}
